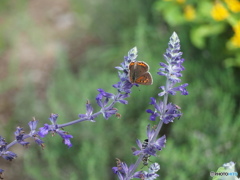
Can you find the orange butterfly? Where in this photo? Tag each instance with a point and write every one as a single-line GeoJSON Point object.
{"type": "Point", "coordinates": [138, 73]}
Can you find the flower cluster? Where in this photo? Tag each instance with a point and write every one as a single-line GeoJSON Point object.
{"type": "Point", "coordinates": [166, 112]}
{"type": "Point", "coordinates": [123, 172]}
{"type": "Point", "coordinates": [106, 101]}
{"type": "Point", "coordinates": [205, 19]}
{"type": "Point", "coordinates": [219, 12]}
{"type": "Point", "coordinates": [150, 148]}
{"type": "Point", "coordinates": [124, 85]}
{"type": "Point", "coordinates": [172, 71]}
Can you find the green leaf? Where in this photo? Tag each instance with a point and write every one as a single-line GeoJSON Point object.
{"type": "Point", "coordinates": [199, 34]}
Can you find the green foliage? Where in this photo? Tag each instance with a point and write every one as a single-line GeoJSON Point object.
{"type": "Point", "coordinates": [202, 140]}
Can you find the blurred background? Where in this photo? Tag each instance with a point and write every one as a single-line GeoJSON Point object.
{"type": "Point", "coordinates": [54, 55]}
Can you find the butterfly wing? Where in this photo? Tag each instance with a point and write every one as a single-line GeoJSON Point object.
{"type": "Point", "coordinates": [145, 79]}
{"type": "Point", "coordinates": [132, 73]}
{"type": "Point", "coordinates": [142, 67]}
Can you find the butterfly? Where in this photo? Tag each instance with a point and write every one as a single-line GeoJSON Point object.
{"type": "Point", "coordinates": [138, 73]}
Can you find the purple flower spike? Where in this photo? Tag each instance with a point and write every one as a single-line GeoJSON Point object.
{"type": "Point", "coordinates": [172, 70]}
{"type": "Point", "coordinates": [162, 110]}
{"type": "Point", "coordinates": [124, 86]}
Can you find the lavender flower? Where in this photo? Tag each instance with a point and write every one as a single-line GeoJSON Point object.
{"type": "Point", "coordinates": [8, 155]}
{"type": "Point", "coordinates": [89, 112]}
{"type": "Point", "coordinates": [54, 128]}
{"type": "Point", "coordinates": [150, 174]}
{"type": "Point", "coordinates": [150, 147]}
{"type": "Point", "coordinates": [19, 134]}
{"type": "Point", "coordinates": [33, 133]}
{"type": "Point", "coordinates": [122, 170]}
{"type": "Point", "coordinates": [66, 137]}
{"type": "Point", "coordinates": [166, 112]}
{"type": "Point", "coordinates": [105, 101]}
{"type": "Point", "coordinates": [172, 70]}
{"type": "Point", "coordinates": [33, 125]}
{"type": "Point", "coordinates": [125, 85]}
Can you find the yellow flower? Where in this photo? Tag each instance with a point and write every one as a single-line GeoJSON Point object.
{"type": "Point", "coordinates": [180, 1]}
{"type": "Point", "coordinates": [236, 28]}
{"type": "Point", "coordinates": [219, 12]}
{"type": "Point", "coordinates": [189, 12]}
{"type": "Point", "coordinates": [233, 5]}
{"type": "Point", "coordinates": [236, 38]}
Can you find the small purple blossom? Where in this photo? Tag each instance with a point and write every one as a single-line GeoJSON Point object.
{"type": "Point", "coordinates": [103, 98]}
{"type": "Point", "coordinates": [33, 133]}
{"type": "Point", "coordinates": [150, 146]}
{"type": "Point", "coordinates": [150, 175]}
{"type": "Point", "coordinates": [2, 142]}
{"type": "Point", "coordinates": [8, 155]}
{"type": "Point", "coordinates": [154, 168]}
{"type": "Point", "coordinates": [167, 114]}
{"type": "Point", "coordinates": [108, 112]}
{"type": "Point", "coordinates": [43, 131]}
{"type": "Point", "coordinates": [33, 125]}
{"type": "Point", "coordinates": [53, 118]}
{"type": "Point", "coordinates": [105, 94]}
{"type": "Point", "coordinates": [66, 137]}
{"type": "Point", "coordinates": [173, 90]}
{"type": "Point", "coordinates": [39, 141]}
{"type": "Point", "coordinates": [122, 170]}
{"type": "Point", "coordinates": [121, 98]}
{"type": "Point", "coordinates": [19, 134]}
{"type": "Point", "coordinates": [89, 112]}
{"type": "Point", "coordinates": [160, 143]}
